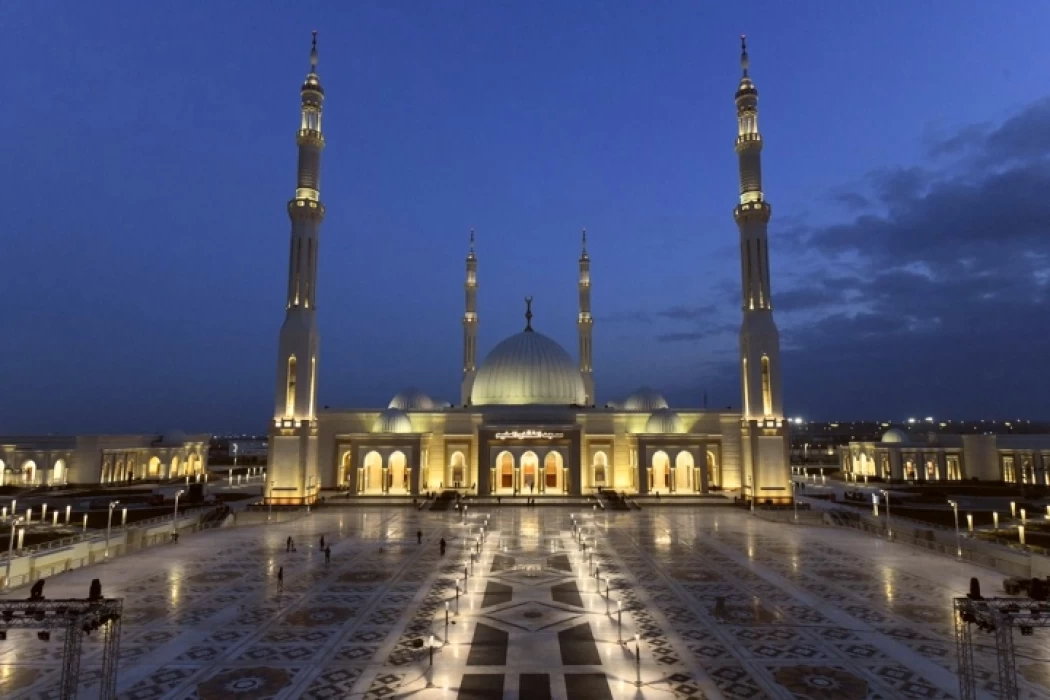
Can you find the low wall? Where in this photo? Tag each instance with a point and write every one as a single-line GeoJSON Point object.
{"type": "Point", "coordinates": [261, 517]}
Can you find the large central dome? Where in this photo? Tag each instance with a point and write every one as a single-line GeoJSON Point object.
{"type": "Point", "coordinates": [528, 369]}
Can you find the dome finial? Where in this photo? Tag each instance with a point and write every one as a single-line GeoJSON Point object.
{"type": "Point", "coordinates": [528, 314]}
{"type": "Point", "coordinates": [472, 240]}
{"type": "Point", "coordinates": [313, 54]}
{"type": "Point", "coordinates": [585, 241]}
{"type": "Point", "coordinates": [743, 53]}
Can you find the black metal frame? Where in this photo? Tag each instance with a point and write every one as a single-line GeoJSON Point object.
{"type": "Point", "coordinates": [72, 616]}
{"type": "Point", "coordinates": [999, 616]}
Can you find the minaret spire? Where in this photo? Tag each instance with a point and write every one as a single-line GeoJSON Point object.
{"type": "Point", "coordinates": [764, 432]}
{"type": "Point", "coordinates": [470, 326]}
{"type": "Point", "coordinates": [293, 436]}
{"type": "Point", "coordinates": [528, 314]}
{"type": "Point", "coordinates": [585, 322]}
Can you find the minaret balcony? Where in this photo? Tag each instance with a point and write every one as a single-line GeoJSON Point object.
{"type": "Point", "coordinates": [752, 210]}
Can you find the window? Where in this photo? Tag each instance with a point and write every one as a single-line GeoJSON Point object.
{"type": "Point", "coordinates": [1009, 475]}
{"type": "Point", "coordinates": [954, 473]}
{"type": "Point", "coordinates": [289, 404]}
{"type": "Point", "coordinates": [747, 397]}
{"type": "Point", "coordinates": [767, 389]}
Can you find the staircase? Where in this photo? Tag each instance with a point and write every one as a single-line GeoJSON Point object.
{"type": "Point", "coordinates": [445, 501]}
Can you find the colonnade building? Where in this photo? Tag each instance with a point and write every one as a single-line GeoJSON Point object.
{"type": "Point", "coordinates": [527, 420]}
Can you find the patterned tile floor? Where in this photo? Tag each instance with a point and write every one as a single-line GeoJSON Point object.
{"type": "Point", "coordinates": [724, 606]}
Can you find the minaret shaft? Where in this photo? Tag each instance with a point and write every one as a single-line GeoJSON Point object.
{"type": "Point", "coordinates": [470, 326]}
{"type": "Point", "coordinates": [585, 323]}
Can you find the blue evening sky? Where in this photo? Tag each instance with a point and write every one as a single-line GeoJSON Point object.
{"type": "Point", "coordinates": [149, 153]}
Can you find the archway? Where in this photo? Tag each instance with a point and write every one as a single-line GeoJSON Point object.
{"type": "Point", "coordinates": [505, 460]}
{"type": "Point", "coordinates": [58, 472]}
{"type": "Point", "coordinates": [712, 470]}
{"type": "Point", "coordinates": [28, 472]}
{"type": "Point", "coordinates": [131, 468]}
{"type": "Point", "coordinates": [529, 466]}
{"type": "Point", "coordinates": [459, 468]}
{"type": "Point", "coordinates": [154, 467]}
{"type": "Point", "coordinates": [601, 467]}
{"type": "Point", "coordinates": [931, 470]}
{"type": "Point", "coordinates": [3, 473]}
{"type": "Point", "coordinates": [347, 470]}
{"type": "Point", "coordinates": [398, 473]}
{"type": "Point", "coordinates": [118, 471]}
{"type": "Point", "coordinates": [909, 470]}
{"type": "Point", "coordinates": [175, 467]}
{"type": "Point", "coordinates": [659, 472]}
{"type": "Point", "coordinates": [552, 471]}
{"type": "Point", "coordinates": [107, 467]}
{"type": "Point", "coordinates": [372, 477]}
{"type": "Point", "coordinates": [683, 472]}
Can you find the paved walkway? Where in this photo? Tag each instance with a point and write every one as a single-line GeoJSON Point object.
{"type": "Point", "coordinates": [725, 605]}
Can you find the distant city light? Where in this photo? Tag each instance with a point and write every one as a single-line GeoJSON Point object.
{"type": "Point", "coordinates": [911, 420]}
{"type": "Point", "coordinates": [929, 419]}
{"type": "Point", "coordinates": [797, 421]}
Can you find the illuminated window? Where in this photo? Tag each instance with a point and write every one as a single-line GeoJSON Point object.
{"type": "Point", "coordinates": [747, 397]}
{"type": "Point", "coordinates": [1009, 475]}
{"type": "Point", "coordinates": [551, 468]}
{"type": "Point", "coordinates": [954, 474]}
{"type": "Point", "coordinates": [767, 389]}
{"type": "Point", "coordinates": [313, 382]}
{"type": "Point", "coordinates": [289, 403]}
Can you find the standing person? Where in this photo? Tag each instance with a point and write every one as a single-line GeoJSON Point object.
{"type": "Point", "coordinates": [280, 579]}
{"type": "Point", "coordinates": [419, 537]}
{"type": "Point", "coordinates": [327, 555]}
{"type": "Point", "coordinates": [288, 544]}
{"type": "Point", "coordinates": [322, 541]}
{"type": "Point", "coordinates": [442, 546]}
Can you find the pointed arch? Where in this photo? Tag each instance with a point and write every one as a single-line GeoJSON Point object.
{"type": "Point", "coordinates": [289, 396]}
{"type": "Point", "coordinates": [683, 468]}
{"type": "Point", "coordinates": [372, 473]}
{"type": "Point", "coordinates": [767, 387]}
{"type": "Point", "coordinates": [505, 462]}
{"type": "Point", "coordinates": [397, 473]}
{"type": "Point", "coordinates": [601, 467]}
{"type": "Point", "coordinates": [660, 472]}
{"type": "Point", "coordinates": [552, 470]}
{"type": "Point", "coordinates": [530, 464]}
{"type": "Point", "coordinates": [459, 468]}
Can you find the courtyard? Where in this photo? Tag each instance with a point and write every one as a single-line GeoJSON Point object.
{"type": "Point", "coordinates": [716, 602]}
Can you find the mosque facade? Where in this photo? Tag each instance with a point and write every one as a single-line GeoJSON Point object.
{"type": "Point", "coordinates": [527, 421]}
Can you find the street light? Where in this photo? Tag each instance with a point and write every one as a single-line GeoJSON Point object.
{"type": "Point", "coordinates": [175, 515]}
{"type": "Point", "coordinates": [958, 542]}
{"type": "Point", "coordinates": [109, 523]}
{"type": "Point", "coordinates": [10, 551]}
{"type": "Point", "coordinates": [269, 513]}
{"type": "Point", "coordinates": [889, 529]}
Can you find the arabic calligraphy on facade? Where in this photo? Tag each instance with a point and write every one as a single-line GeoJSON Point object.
{"type": "Point", "coordinates": [528, 435]}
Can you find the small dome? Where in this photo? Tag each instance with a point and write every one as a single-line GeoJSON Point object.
{"type": "Point", "coordinates": [174, 437]}
{"type": "Point", "coordinates": [413, 399]}
{"type": "Point", "coordinates": [645, 399]}
{"type": "Point", "coordinates": [664, 420]}
{"type": "Point", "coordinates": [392, 420]}
{"type": "Point", "coordinates": [895, 435]}
{"type": "Point", "coordinates": [528, 369]}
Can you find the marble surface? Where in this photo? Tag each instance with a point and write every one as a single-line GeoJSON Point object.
{"type": "Point", "coordinates": [723, 605]}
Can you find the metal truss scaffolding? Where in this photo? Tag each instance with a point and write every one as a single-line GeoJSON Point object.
{"type": "Point", "coordinates": [998, 616]}
{"type": "Point", "coordinates": [75, 617]}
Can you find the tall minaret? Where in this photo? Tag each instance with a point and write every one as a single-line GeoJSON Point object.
{"type": "Point", "coordinates": [470, 326]}
{"type": "Point", "coordinates": [293, 439]}
{"type": "Point", "coordinates": [765, 442]}
{"type": "Point", "coordinates": [585, 323]}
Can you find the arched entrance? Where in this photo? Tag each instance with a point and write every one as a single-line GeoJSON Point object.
{"type": "Point", "coordinates": [552, 472]}
{"type": "Point", "coordinates": [601, 467]}
{"type": "Point", "coordinates": [712, 471]}
{"type": "Point", "coordinates": [398, 473]}
{"type": "Point", "coordinates": [459, 468]}
{"type": "Point", "coordinates": [660, 473]}
{"type": "Point", "coordinates": [176, 467]}
{"type": "Point", "coordinates": [346, 471]}
{"type": "Point", "coordinates": [529, 466]}
{"type": "Point", "coordinates": [3, 473]}
{"type": "Point", "coordinates": [58, 472]}
{"type": "Point", "coordinates": [505, 462]}
{"type": "Point", "coordinates": [29, 472]}
{"type": "Point", "coordinates": [154, 467]}
{"type": "Point", "coordinates": [372, 473]}
{"type": "Point", "coordinates": [683, 472]}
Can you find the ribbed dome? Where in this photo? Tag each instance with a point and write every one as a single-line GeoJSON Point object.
{"type": "Point", "coordinates": [664, 420]}
{"type": "Point", "coordinates": [412, 399]}
{"type": "Point", "coordinates": [895, 435]}
{"type": "Point", "coordinates": [528, 369]}
{"type": "Point", "coordinates": [645, 399]}
{"type": "Point", "coordinates": [392, 420]}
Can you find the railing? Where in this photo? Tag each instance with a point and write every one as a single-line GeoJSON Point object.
{"type": "Point", "coordinates": [115, 550]}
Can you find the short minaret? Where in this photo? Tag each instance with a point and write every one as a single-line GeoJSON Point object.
{"type": "Point", "coordinates": [292, 470]}
{"type": "Point", "coordinates": [585, 322]}
{"type": "Point", "coordinates": [765, 442]}
{"type": "Point", "coordinates": [470, 326]}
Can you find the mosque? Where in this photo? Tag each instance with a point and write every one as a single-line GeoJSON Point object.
{"type": "Point", "coordinates": [527, 421]}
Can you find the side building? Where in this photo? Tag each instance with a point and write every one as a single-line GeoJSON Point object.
{"type": "Point", "coordinates": [51, 460]}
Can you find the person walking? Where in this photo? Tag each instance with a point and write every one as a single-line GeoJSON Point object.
{"type": "Point", "coordinates": [419, 537]}
{"type": "Point", "coordinates": [327, 556]}
{"type": "Point", "coordinates": [442, 546]}
{"type": "Point", "coordinates": [288, 544]}
{"type": "Point", "coordinates": [280, 579]}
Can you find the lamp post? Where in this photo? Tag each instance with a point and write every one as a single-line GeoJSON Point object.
{"type": "Point", "coordinates": [269, 501]}
{"type": "Point", "coordinates": [109, 523]}
{"type": "Point", "coordinates": [175, 515]}
{"type": "Point", "coordinates": [10, 551]}
{"type": "Point", "coordinates": [889, 528]}
{"type": "Point", "coordinates": [958, 542]}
